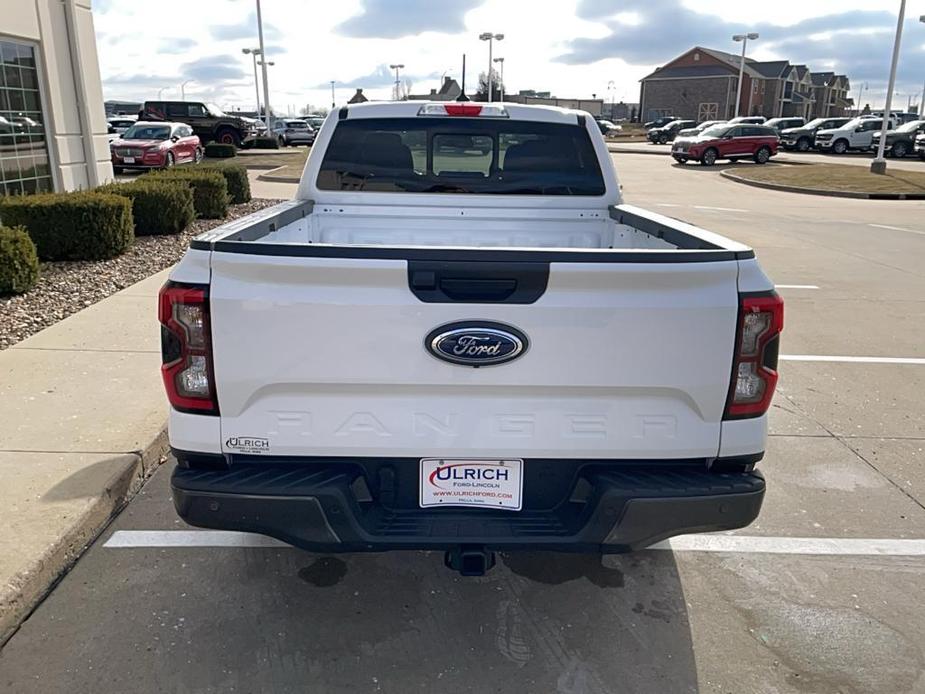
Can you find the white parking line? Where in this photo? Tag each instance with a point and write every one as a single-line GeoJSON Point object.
{"type": "Point", "coordinates": [858, 360]}
{"type": "Point", "coordinates": [666, 204]}
{"type": "Point", "coordinates": [751, 544]}
{"type": "Point", "coordinates": [745, 544]}
{"type": "Point", "coordinates": [190, 538]}
{"type": "Point", "coordinates": [886, 226]}
{"type": "Point", "coordinates": [718, 209]}
{"type": "Point", "coordinates": [796, 286]}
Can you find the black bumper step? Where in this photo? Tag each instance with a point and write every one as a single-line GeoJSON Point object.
{"type": "Point", "coordinates": [610, 508]}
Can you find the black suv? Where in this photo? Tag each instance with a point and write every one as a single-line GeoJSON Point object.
{"type": "Point", "coordinates": [803, 138]}
{"type": "Point", "coordinates": [659, 122]}
{"type": "Point", "coordinates": [669, 131]}
{"type": "Point", "coordinates": [207, 120]}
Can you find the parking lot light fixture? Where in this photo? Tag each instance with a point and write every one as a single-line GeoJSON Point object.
{"type": "Point", "coordinates": [501, 76]}
{"type": "Point", "coordinates": [878, 165]}
{"type": "Point", "coordinates": [254, 52]}
{"type": "Point", "coordinates": [744, 38]}
{"type": "Point", "coordinates": [397, 67]}
{"type": "Point", "coordinates": [333, 104]}
{"type": "Point", "coordinates": [183, 90]}
{"type": "Point", "coordinates": [491, 38]}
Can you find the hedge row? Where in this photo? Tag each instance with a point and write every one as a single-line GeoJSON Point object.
{"type": "Point", "coordinates": [19, 263]}
{"type": "Point", "coordinates": [73, 226]}
{"type": "Point", "coordinates": [210, 192]}
{"type": "Point", "coordinates": [158, 207]}
{"type": "Point", "coordinates": [216, 150]}
{"type": "Point", "coordinates": [239, 186]}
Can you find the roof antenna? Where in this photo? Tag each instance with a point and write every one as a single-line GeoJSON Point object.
{"type": "Point", "coordinates": [462, 95]}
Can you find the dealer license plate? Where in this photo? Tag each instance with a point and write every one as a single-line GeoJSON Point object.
{"type": "Point", "coordinates": [472, 482]}
{"type": "Point", "coordinates": [128, 160]}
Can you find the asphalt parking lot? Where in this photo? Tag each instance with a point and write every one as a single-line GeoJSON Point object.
{"type": "Point", "coordinates": [824, 594]}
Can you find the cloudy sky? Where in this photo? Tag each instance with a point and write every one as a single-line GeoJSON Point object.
{"type": "Point", "coordinates": [570, 47]}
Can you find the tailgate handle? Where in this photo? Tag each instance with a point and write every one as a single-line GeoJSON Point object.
{"type": "Point", "coordinates": [477, 290]}
{"type": "Point", "coordinates": [477, 282]}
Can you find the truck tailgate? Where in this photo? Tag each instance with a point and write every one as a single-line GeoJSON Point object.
{"type": "Point", "coordinates": [322, 356]}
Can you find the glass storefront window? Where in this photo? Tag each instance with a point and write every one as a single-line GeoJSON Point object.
{"type": "Point", "coordinates": [24, 166]}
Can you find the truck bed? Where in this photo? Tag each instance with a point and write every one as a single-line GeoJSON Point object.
{"type": "Point", "coordinates": [602, 235]}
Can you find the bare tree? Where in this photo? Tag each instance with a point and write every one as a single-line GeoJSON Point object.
{"type": "Point", "coordinates": [497, 87]}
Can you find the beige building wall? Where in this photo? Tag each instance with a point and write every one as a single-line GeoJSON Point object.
{"type": "Point", "coordinates": [71, 90]}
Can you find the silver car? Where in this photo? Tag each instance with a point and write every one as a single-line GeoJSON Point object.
{"type": "Point", "coordinates": [291, 132]}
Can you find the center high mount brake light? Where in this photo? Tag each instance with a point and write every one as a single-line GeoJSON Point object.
{"type": "Point", "coordinates": [464, 110]}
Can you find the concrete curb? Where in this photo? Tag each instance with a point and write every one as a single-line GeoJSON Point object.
{"type": "Point", "coordinates": [625, 150]}
{"type": "Point", "coordinates": [277, 179]}
{"type": "Point", "coordinates": [26, 590]}
{"type": "Point", "coordinates": [819, 191]}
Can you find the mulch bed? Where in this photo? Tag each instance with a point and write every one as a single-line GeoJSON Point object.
{"type": "Point", "coordinates": [67, 287]}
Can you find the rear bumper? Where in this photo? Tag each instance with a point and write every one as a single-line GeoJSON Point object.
{"type": "Point", "coordinates": [327, 506]}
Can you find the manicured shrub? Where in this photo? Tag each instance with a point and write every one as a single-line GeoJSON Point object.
{"type": "Point", "coordinates": [210, 192]}
{"type": "Point", "coordinates": [73, 226]}
{"type": "Point", "coordinates": [266, 143]}
{"type": "Point", "coordinates": [216, 150]}
{"type": "Point", "coordinates": [19, 263]}
{"type": "Point", "coordinates": [158, 207]}
{"type": "Point", "coordinates": [239, 187]}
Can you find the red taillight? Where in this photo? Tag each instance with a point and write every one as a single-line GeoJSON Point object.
{"type": "Point", "coordinates": [754, 372]}
{"type": "Point", "coordinates": [186, 348]}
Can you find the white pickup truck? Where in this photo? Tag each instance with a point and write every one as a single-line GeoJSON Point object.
{"type": "Point", "coordinates": [458, 337]}
{"type": "Point", "coordinates": [857, 133]}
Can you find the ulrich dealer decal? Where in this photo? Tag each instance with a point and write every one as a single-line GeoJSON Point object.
{"type": "Point", "coordinates": [248, 444]}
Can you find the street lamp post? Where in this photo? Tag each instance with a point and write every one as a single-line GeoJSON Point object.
{"type": "Point", "coordinates": [744, 38]}
{"type": "Point", "coordinates": [611, 87]}
{"type": "Point", "coordinates": [333, 104]}
{"type": "Point", "coordinates": [254, 52]}
{"type": "Point", "coordinates": [922, 102]}
{"type": "Point", "coordinates": [878, 165]}
{"type": "Point", "coordinates": [397, 67]}
{"type": "Point", "coordinates": [501, 60]}
{"type": "Point", "coordinates": [861, 87]}
{"type": "Point", "coordinates": [161, 91]}
{"type": "Point", "coordinates": [491, 38]}
{"type": "Point", "coordinates": [183, 90]}
{"type": "Point", "coordinates": [266, 86]}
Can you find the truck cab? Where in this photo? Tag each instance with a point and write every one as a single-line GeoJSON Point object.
{"type": "Point", "coordinates": [856, 134]}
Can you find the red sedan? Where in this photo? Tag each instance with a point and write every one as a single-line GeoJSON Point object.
{"type": "Point", "coordinates": [155, 146]}
{"type": "Point", "coordinates": [728, 141]}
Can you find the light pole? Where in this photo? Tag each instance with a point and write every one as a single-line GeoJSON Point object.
{"type": "Point", "coordinates": [744, 38]}
{"type": "Point", "coordinates": [254, 52]}
{"type": "Point", "coordinates": [922, 102]}
{"type": "Point", "coordinates": [263, 65]}
{"type": "Point", "coordinates": [878, 165]}
{"type": "Point", "coordinates": [333, 105]}
{"type": "Point", "coordinates": [183, 90]}
{"type": "Point", "coordinates": [501, 60]}
{"type": "Point", "coordinates": [491, 38]}
{"type": "Point", "coordinates": [397, 67]}
{"type": "Point", "coordinates": [161, 91]}
{"type": "Point", "coordinates": [861, 87]}
{"type": "Point", "coordinates": [611, 87]}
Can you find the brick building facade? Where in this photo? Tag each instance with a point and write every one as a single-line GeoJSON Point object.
{"type": "Point", "coordinates": [701, 85]}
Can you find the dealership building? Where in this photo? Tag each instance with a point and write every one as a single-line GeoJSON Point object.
{"type": "Point", "coordinates": [52, 123]}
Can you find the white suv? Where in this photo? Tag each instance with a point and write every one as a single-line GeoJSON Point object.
{"type": "Point", "coordinates": [855, 134]}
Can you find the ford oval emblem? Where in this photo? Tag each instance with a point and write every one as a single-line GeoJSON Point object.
{"type": "Point", "coordinates": [476, 343]}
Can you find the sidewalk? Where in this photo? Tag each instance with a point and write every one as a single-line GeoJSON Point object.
{"type": "Point", "coordinates": [83, 415]}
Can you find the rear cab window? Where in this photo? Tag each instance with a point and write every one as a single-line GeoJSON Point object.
{"type": "Point", "coordinates": [461, 155]}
